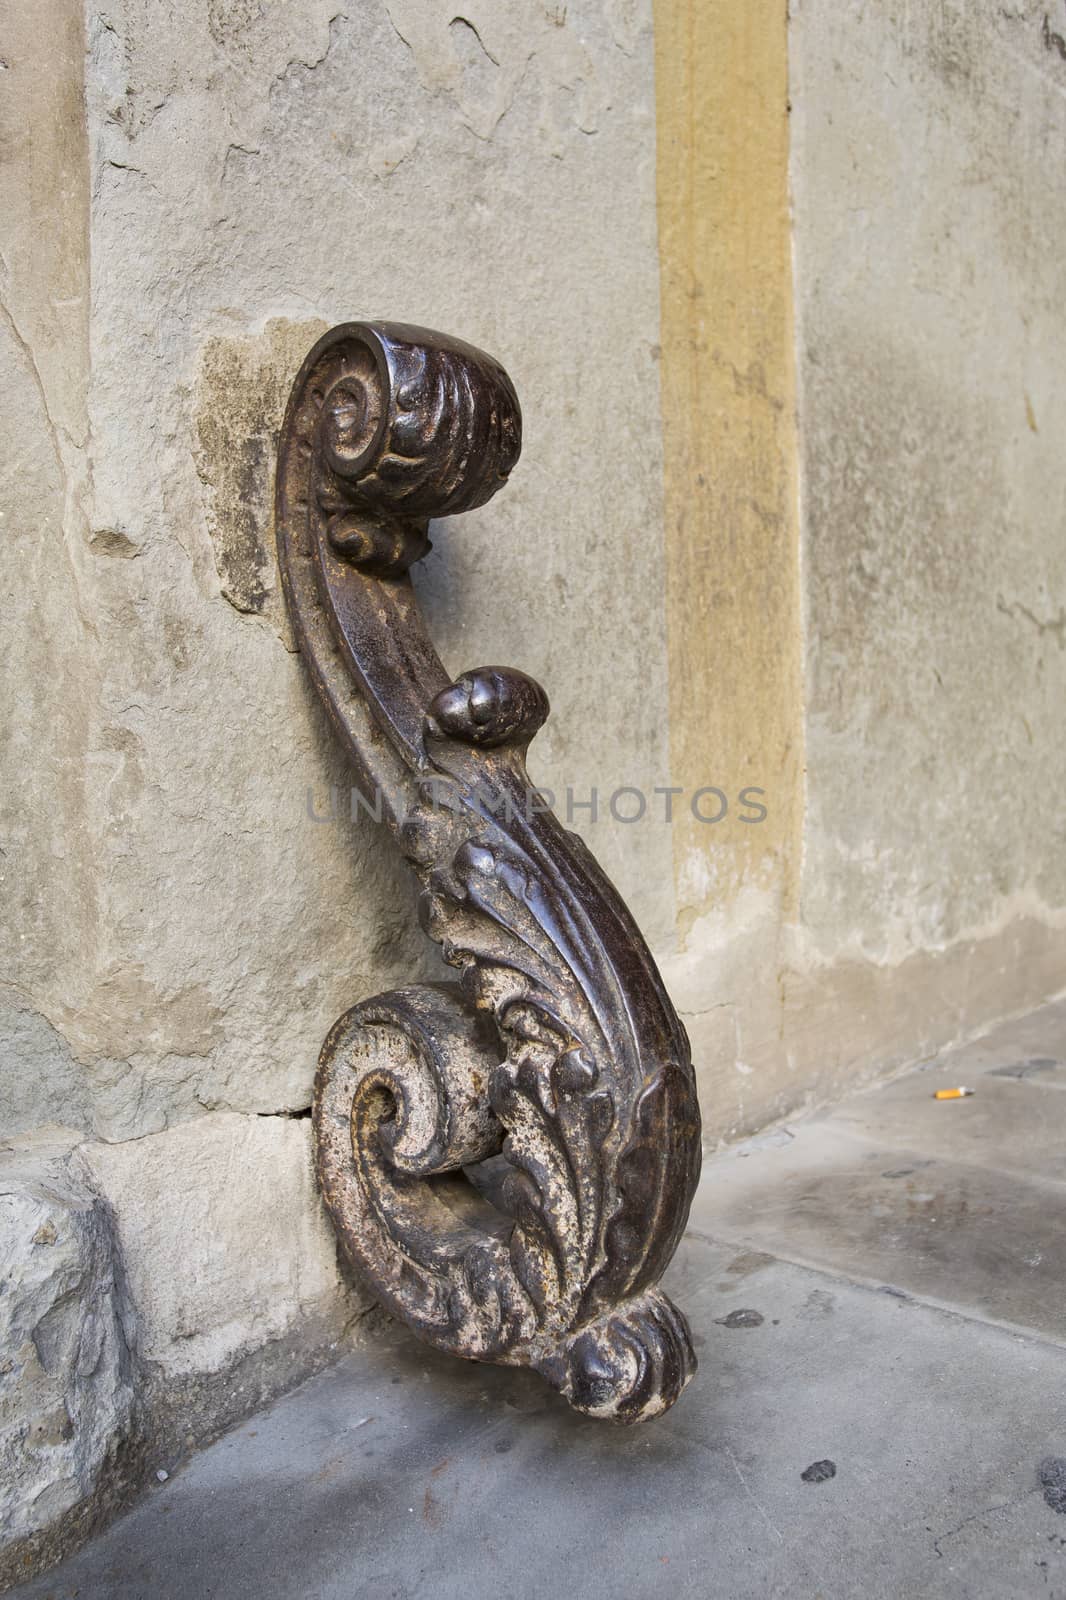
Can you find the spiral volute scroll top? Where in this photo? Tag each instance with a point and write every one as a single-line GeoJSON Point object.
{"type": "Point", "coordinates": [422, 426]}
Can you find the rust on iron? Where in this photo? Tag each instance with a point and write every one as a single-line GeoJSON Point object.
{"type": "Point", "coordinates": [509, 1159]}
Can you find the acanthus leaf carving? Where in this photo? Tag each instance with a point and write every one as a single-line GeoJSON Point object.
{"type": "Point", "coordinates": [508, 1159]}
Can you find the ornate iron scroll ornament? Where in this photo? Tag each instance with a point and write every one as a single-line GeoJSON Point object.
{"type": "Point", "coordinates": [509, 1160]}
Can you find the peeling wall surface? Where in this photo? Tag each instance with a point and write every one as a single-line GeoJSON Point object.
{"type": "Point", "coordinates": [931, 281]}
{"type": "Point", "coordinates": [258, 173]}
{"type": "Point", "coordinates": [782, 298]}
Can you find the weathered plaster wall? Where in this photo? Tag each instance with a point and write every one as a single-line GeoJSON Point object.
{"type": "Point", "coordinates": [931, 280]}
{"type": "Point", "coordinates": [48, 640]}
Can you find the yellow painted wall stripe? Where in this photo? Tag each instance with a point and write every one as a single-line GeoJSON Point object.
{"type": "Point", "coordinates": [730, 441]}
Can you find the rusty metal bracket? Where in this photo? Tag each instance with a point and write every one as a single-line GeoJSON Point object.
{"type": "Point", "coordinates": [508, 1160]}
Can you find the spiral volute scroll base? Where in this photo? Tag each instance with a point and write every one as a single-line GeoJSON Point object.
{"type": "Point", "coordinates": [399, 1098]}
{"type": "Point", "coordinates": [629, 1365]}
{"type": "Point", "coordinates": [508, 1159]}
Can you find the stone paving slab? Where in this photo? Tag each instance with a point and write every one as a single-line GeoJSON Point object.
{"type": "Point", "coordinates": [1012, 1124]}
{"type": "Point", "coordinates": [963, 1236]}
{"type": "Point", "coordinates": [960, 1202]}
{"type": "Point", "coordinates": [1038, 1035]}
{"type": "Point", "coordinates": [400, 1474]}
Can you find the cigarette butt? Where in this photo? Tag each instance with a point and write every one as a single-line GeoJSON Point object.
{"type": "Point", "coordinates": [952, 1094]}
